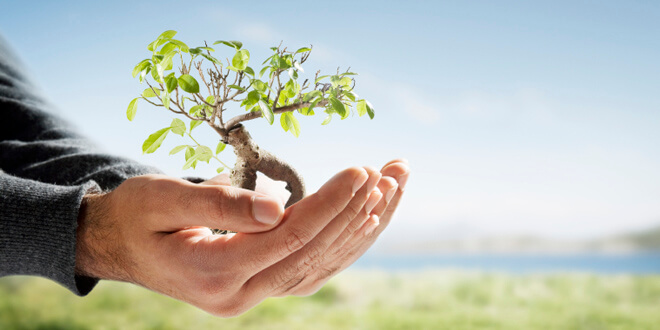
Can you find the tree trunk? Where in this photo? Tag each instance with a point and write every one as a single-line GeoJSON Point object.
{"type": "Point", "coordinates": [251, 159]}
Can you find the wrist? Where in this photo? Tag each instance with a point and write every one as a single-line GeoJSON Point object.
{"type": "Point", "coordinates": [89, 250]}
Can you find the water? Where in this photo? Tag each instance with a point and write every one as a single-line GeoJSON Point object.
{"type": "Point", "coordinates": [636, 263]}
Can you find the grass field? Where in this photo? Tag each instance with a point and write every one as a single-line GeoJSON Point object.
{"type": "Point", "coordinates": [360, 300]}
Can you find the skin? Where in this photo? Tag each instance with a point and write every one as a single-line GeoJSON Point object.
{"type": "Point", "coordinates": [153, 231]}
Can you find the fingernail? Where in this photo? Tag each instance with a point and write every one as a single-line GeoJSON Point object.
{"type": "Point", "coordinates": [403, 180]}
{"type": "Point", "coordinates": [359, 182]}
{"type": "Point", "coordinates": [372, 201]}
{"type": "Point", "coordinates": [390, 194]}
{"type": "Point", "coordinates": [372, 226]}
{"type": "Point", "coordinates": [266, 210]}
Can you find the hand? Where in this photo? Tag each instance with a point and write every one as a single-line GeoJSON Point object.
{"type": "Point", "coordinates": [362, 231]}
{"type": "Point", "coordinates": [153, 231]}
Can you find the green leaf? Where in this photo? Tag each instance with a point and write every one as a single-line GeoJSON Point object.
{"type": "Point", "coordinates": [339, 107]}
{"type": "Point", "coordinates": [190, 151]}
{"type": "Point", "coordinates": [241, 59]}
{"type": "Point", "coordinates": [263, 70]}
{"type": "Point", "coordinates": [190, 161]}
{"type": "Point", "coordinates": [297, 66]}
{"type": "Point", "coordinates": [259, 85]}
{"type": "Point", "coordinates": [312, 95]}
{"type": "Point", "coordinates": [210, 99]}
{"type": "Point", "coordinates": [166, 100]}
{"type": "Point", "coordinates": [302, 50]}
{"type": "Point", "coordinates": [267, 112]}
{"type": "Point", "coordinates": [171, 83]}
{"type": "Point", "coordinates": [204, 153]}
{"type": "Point", "coordinates": [221, 146]}
{"type": "Point", "coordinates": [327, 120]}
{"type": "Point", "coordinates": [149, 92]}
{"type": "Point", "coordinates": [169, 34]}
{"type": "Point", "coordinates": [160, 70]}
{"type": "Point", "coordinates": [178, 126]}
{"type": "Point", "coordinates": [284, 122]}
{"type": "Point", "coordinates": [144, 73]}
{"type": "Point", "coordinates": [253, 97]}
{"type": "Point", "coordinates": [151, 45]}
{"type": "Point", "coordinates": [182, 46]}
{"type": "Point", "coordinates": [141, 66]}
{"type": "Point", "coordinates": [249, 71]}
{"type": "Point", "coordinates": [211, 58]}
{"type": "Point", "coordinates": [153, 142]}
{"type": "Point", "coordinates": [320, 78]}
{"type": "Point", "coordinates": [289, 122]}
{"type": "Point", "coordinates": [220, 169]}
{"type": "Point", "coordinates": [234, 44]}
{"type": "Point", "coordinates": [350, 95]}
{"type": "Point", "coordinates": [177, 149]}
{"type": "Point", "coordinates": [268, 59]}
{"type": "Point", "coordinates": [236, 87]}
{"type": "Point", "coordinates": [335, 80]}
{"type": "Point", "coordinates": [154, 74]}
{"type": "Point", "coordinates": [188, 83]}
{"type": "Point", "coordinates": [206, 48]}
{"type": "Point", "coordinates": [346, 82]}
{"type": "Point", "coordinates": [196, 110]}
{"type": "Point", "coordinates": [168, 48]}
{"type": "Point", "coordinates": [195, 123]}
{"type": "Point", "coordinates": [361, 107]}
{"type": "Point", "coordinates": [370, 109]}
{"type": "Point", "coordinates": [309, 111]}
{"type": "Point", "coordinates": [132, 109]}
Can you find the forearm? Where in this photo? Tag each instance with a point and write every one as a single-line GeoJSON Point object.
{"type": "Point", "coordinates": [38, 226]}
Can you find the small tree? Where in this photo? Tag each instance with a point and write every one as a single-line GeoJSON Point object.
{"type": "Point", "coordinates": [234, 82]}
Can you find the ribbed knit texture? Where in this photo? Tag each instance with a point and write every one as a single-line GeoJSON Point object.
{"type": "Point", "coordinates": [45, 170]}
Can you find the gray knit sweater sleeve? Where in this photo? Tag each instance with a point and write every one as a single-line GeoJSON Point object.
{"type": "Point", "coordinates": [45, 170]}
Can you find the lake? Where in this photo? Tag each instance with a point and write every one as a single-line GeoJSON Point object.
{"type": "Point", "coordinates": [634, 263]}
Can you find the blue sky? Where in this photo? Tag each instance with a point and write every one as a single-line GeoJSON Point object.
{"type": "Point", "coordinates": [517, 117]}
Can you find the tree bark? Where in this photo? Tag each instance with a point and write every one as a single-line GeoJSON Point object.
{"type": "Point", "coordinates": [251, 159]}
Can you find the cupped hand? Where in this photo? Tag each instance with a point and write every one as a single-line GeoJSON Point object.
{"type": "Point", "coordinates": [153, 231]}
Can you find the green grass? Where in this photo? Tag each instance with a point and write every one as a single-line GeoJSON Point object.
{"type": "Point", "coordinates": [359, 300]}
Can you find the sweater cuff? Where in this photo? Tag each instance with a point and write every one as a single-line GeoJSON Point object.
{"type": "Point", "coordinates": [38, 230]}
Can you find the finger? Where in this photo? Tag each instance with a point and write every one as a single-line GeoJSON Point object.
{"type": "Point", "coordinates": [222, 207]}
{"type": "Point", "coordinates": [365, 237]}
{"type": "Point", "coordinates": [290, 271]}
{"type": "Point", "coordinates": [355, 245]}
{"type": "Point", "coordinates": [315, 281]}
{"type": "Point", "coordinates": [222, 180]}
{"type": "Point", "coordinates": [301, 223]}
{"type": "Point", "coordinates": [356, 223]}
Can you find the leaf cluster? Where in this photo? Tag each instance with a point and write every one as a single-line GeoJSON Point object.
{"type": "Point", "coordinates": [193, 82]}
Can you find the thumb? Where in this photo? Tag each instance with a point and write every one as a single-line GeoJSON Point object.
{"type": "Point", "coordinates": [229, 208]}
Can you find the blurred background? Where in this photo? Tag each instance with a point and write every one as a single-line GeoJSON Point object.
{"type": "Point", "coordinates": [532, 130]}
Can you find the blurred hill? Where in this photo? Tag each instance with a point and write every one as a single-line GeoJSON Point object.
{"type": "Point", "coordinates": [633, 242]}
{"type": "Point", "coordinates": [647, 240]}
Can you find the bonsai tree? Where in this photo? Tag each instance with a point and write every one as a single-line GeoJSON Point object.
{"type": "Point", "coordinates": [227, 85]}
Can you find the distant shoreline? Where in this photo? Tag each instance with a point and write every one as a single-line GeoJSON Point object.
{"type": "Point", "coordinates": [647, 262]}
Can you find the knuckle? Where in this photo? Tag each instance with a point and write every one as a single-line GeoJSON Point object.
{"type": "Point", "coordinates": [229, 307]}
{"type": "Point", "coordinates": [293, 283]}
{"type": "Point", "coordinates": [352, 227]}
{"type": "Point", "coordinates": [296, 239]}
{"type": "Point", "coordinates": [216, 203]}
{"type": "Point", "coordinates": [313, 257]}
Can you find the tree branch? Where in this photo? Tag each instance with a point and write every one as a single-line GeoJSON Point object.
{"type": "Point", "coordinates": [256, 114]}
